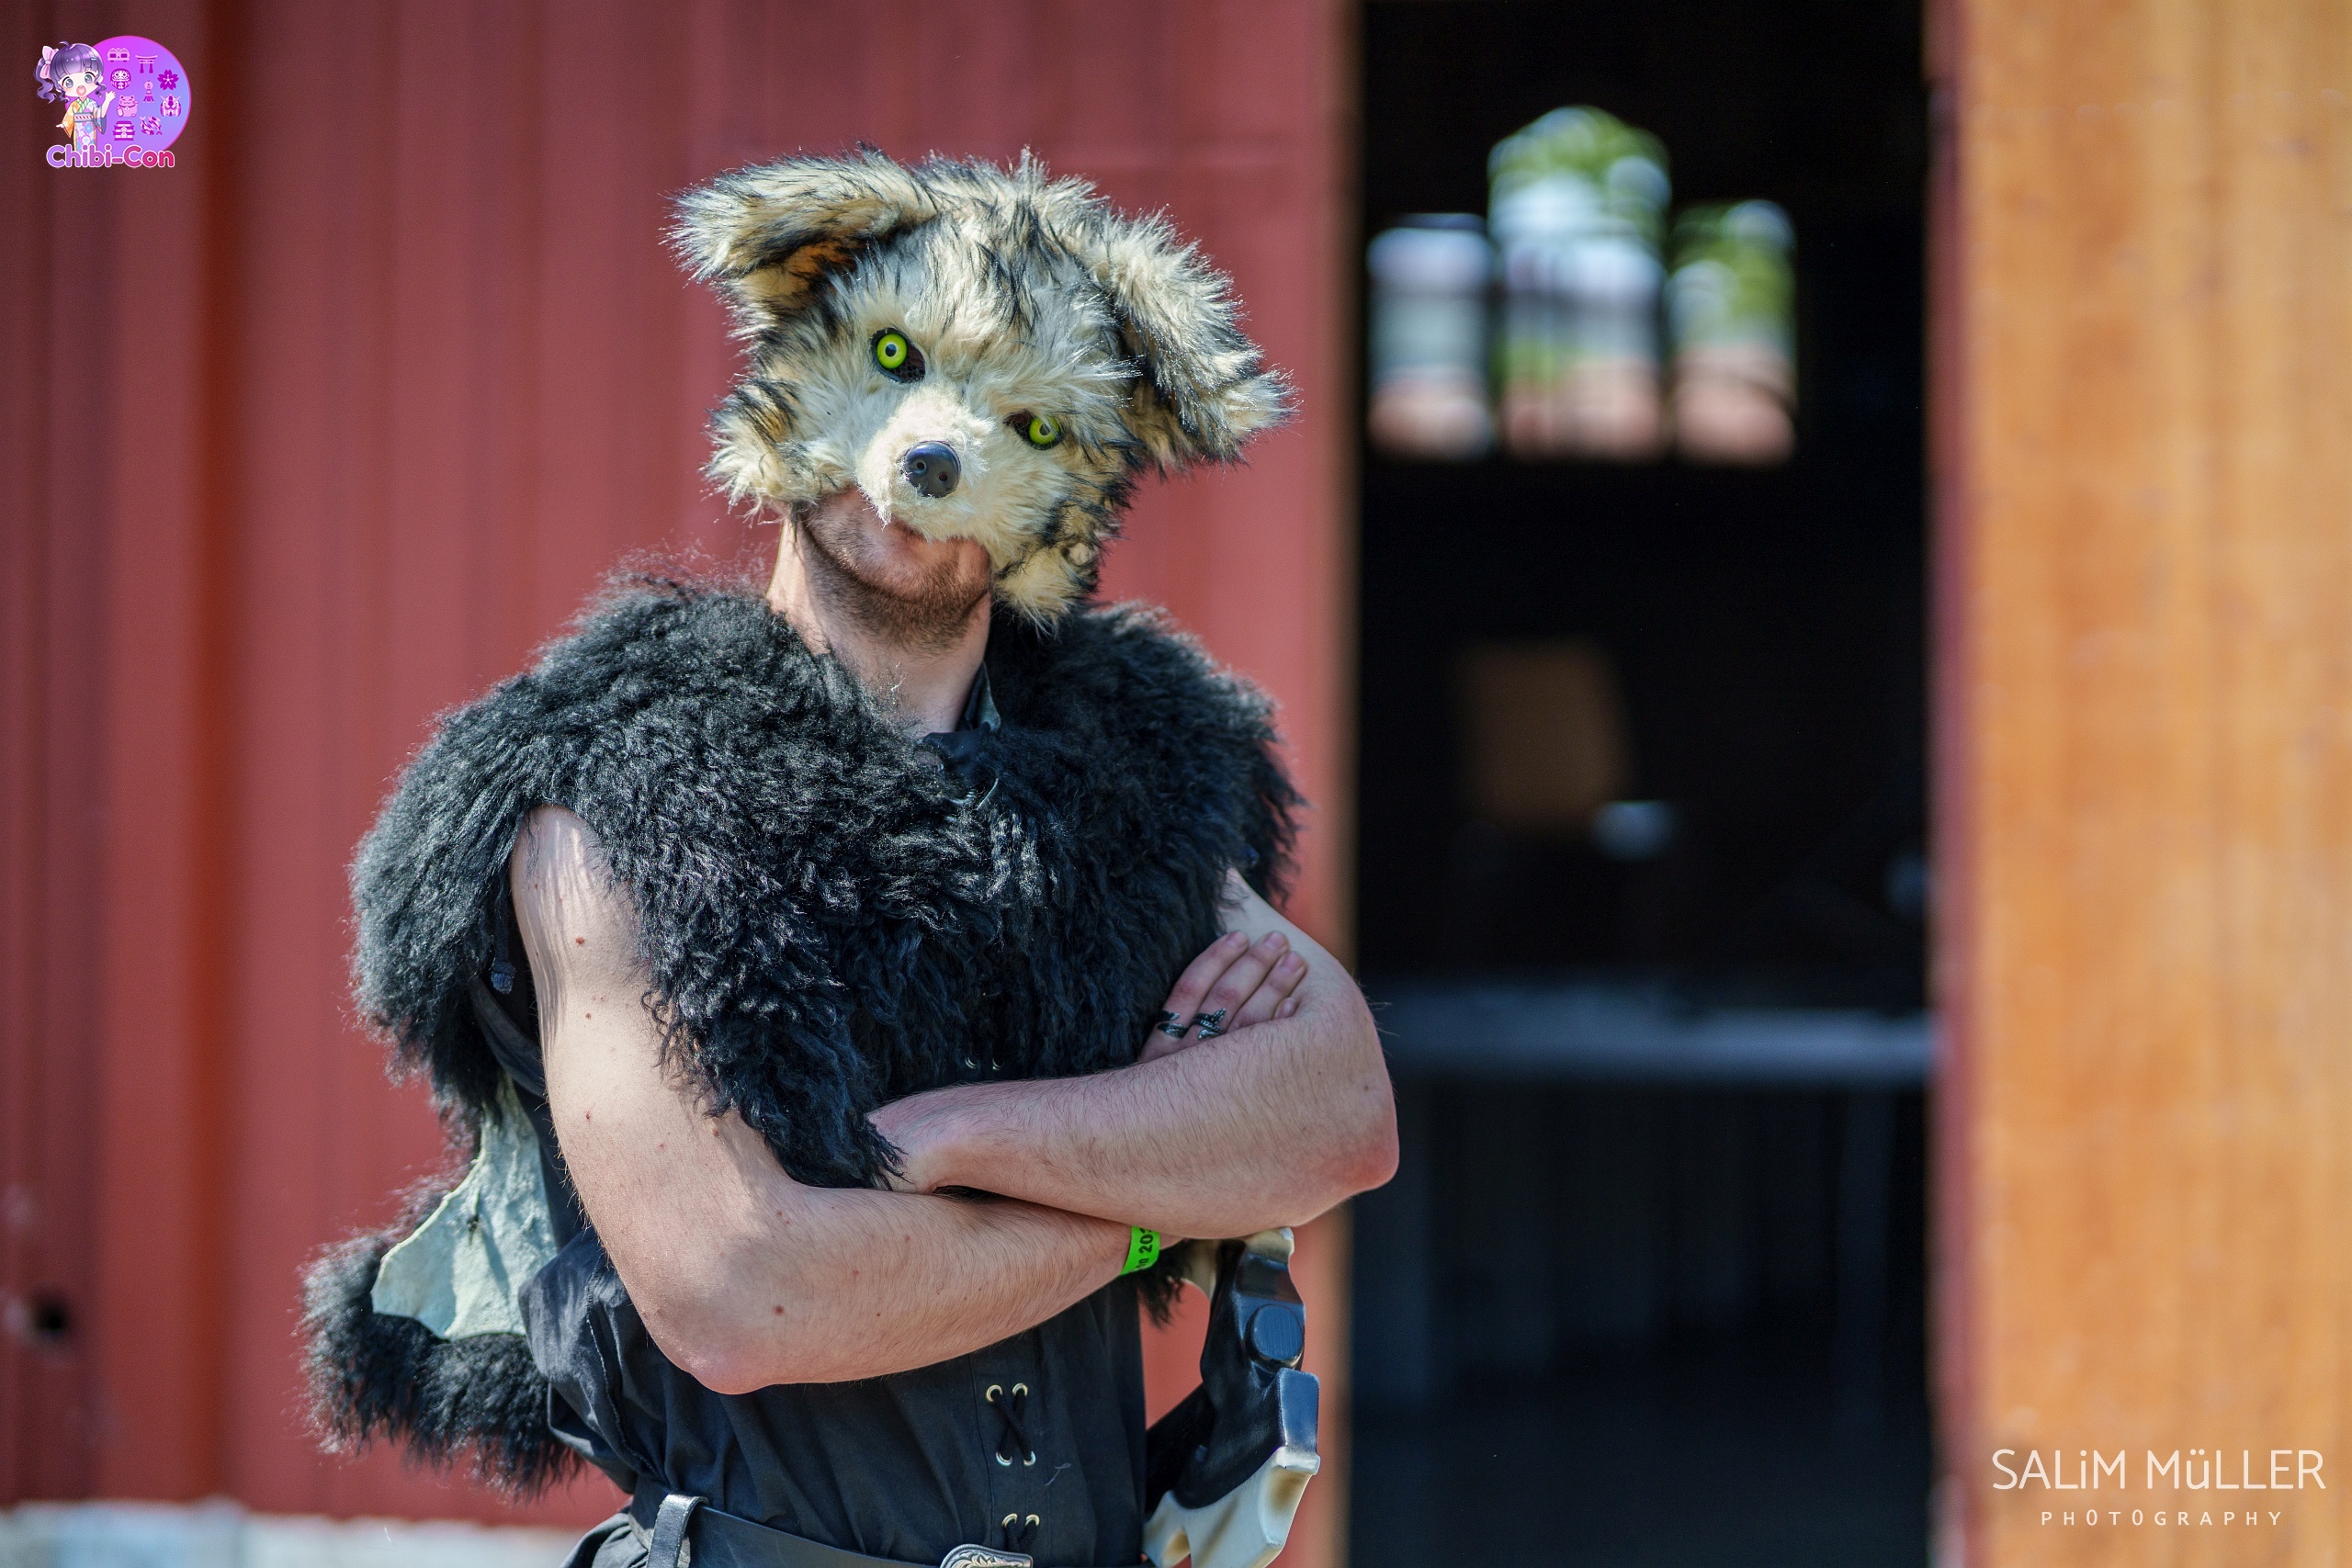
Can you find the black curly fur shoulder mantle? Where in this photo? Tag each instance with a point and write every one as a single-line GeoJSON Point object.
{"type": "Point", "coordinates": [833, 918]}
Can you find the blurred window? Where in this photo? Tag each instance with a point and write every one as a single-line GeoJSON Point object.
{"type": "Point", "coordinates": [1544, 327]}
{"type": "Point", "coordinates": [1731, 305]}
{"type": "Point", "coordinates": [1429, 337]}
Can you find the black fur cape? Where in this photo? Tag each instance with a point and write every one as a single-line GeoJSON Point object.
{"type": "Point", "coordinates": [833, 918]}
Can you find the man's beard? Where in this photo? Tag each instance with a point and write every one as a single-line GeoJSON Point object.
{"type": "Point", "coordinates": [926, 619]}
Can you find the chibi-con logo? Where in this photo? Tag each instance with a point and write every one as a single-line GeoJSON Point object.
{"type": "Point", "coordinates": [126, 101]}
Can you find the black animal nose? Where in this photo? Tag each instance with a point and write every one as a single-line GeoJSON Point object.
{"type": "Point", "coordinates": [932, 469]}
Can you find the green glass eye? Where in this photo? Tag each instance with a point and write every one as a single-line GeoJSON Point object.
{"type": "Point", "coordinates": [1040, 430]}
{"type": "Point", "coordinates": [900, 360]}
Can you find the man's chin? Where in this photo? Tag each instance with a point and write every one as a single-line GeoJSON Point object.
{"type": "Point", "coordinates": [903, 545]}
{"type": "Point", "coordinates": [895, 537]}
{"type": "Point", "coordinates": [905, 564]}
{"type": "Point", "coordinates": [894, 582]}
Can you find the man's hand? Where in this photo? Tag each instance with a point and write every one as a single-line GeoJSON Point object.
{"type": "Point", "coordinates": [1232, 986]}
{"type": "Point", "coordinates": [744, 1277]}
{"type": "Point", "coordinates": [1268, 1126]}
{"type": "Point", "coordinates": [1235, 983]}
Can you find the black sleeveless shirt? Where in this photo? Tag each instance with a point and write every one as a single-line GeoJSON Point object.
{"type": "Point", "coordinates": [903, 1467]}
{"type": "Point", "coordinates": [1035, 1442]}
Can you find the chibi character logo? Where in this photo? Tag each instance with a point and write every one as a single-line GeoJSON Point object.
{"type": "Point", "coordinates": [72, 72]}
{"type": "Point", "coordinates": [116, 117]}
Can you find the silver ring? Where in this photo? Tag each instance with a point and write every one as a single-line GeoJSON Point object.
{"type": "Point", "coordinates": [1171, 1026]}
{"type": "Point", "coordinates": [1212, 1024]}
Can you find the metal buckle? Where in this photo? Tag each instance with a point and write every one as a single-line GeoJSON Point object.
{"type": "Point", "coordinates": [986, 1557]}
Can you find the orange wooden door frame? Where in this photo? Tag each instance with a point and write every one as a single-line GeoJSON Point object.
{"type": "Point", "coordinates": [2143, 347]}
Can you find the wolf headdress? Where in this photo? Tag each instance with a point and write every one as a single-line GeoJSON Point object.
{"type": "Point", "coordinates": [1054, 347]}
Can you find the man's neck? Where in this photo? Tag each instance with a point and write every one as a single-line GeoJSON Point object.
{"type": "Point", "coordinates": [929, 686]}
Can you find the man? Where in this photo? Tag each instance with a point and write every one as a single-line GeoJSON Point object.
{"type": "Point", "coordinates": [820, 1150]}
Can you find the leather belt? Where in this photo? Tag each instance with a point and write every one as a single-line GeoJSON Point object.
{"type": "Point", "coordinates": [687, 1532]}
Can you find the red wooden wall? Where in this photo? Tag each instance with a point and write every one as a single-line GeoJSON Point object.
{"type": "Point", "coordinates": [322, 431]}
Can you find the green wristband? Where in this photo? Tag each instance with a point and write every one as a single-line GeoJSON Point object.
{"type": "Point", "coordinates": [1143, 1249]}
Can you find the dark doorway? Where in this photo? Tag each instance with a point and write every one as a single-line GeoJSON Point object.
{"type": "Point", "coordinates": [1650, 1287]}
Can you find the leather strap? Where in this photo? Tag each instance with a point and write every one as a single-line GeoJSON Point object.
{"type": "Point", "coordinates": [687, 1532]}
{"type": "Point", "coordinates": [671, 1521]}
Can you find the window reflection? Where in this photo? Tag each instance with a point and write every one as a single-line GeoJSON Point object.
{"type": "Point", "coordinates": [1542, 327]}
{"type": "Point", "coordinates": [1429, 277]}
{"type": "Point", "coordinates": [1729, 304]}
{"type": "Point", "coordinates": [1577, 201]}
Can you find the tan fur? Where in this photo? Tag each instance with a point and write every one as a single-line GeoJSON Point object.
{"type": "Point", "coordinates": [1024, 294]}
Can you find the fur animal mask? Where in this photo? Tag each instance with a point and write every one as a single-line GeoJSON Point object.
{"type": "Point", "coordinates": [988, 353]}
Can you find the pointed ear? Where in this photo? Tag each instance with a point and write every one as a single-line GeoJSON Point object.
{"type": "Point", "coordinates": [1206, 389]}
{"type": "Point", "coordinates": [769, 236]}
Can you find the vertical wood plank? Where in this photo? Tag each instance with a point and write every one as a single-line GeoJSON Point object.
{"type": "Point", "coordinates": [50, 762]}
{"type": "Point", "coordinates": [2146, 792]}
{"type": "Point", "coordinates": [159, 1179]}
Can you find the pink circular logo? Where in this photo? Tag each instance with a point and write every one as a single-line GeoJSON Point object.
{"type": "Point", "coordinates": [121, 102]}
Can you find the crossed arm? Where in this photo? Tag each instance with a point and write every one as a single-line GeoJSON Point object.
{"type": "Point", "coordinates": [746, 1278]}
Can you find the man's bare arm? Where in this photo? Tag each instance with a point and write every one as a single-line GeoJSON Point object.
{"type": "Point", "coordinates": [1268, 1126]}
{"type": "Point", "coordinates": [744, 1277]}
